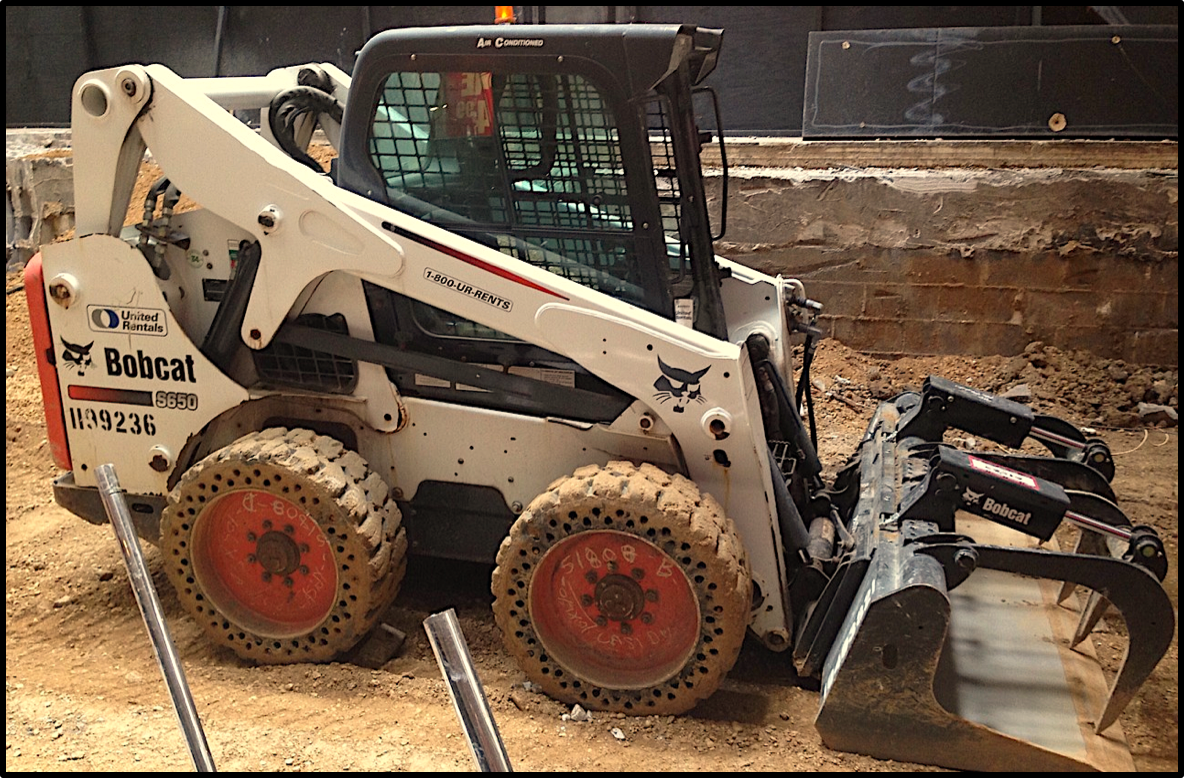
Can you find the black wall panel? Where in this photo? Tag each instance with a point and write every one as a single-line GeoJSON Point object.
{"type": "Point", "coordinates": [761, 78]}
{"type": "Point", "coordinates": [1069, 81]}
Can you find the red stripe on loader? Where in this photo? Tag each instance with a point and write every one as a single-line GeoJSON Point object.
{"type": "Point", "coordinates": [51, 393]}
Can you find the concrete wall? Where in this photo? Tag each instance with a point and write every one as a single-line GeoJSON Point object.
{"type": "Point", "coordinates": [40, 202]}
{"type": "Point", "coordinates": [967, 247]}
{"type": "Point", "coordinates": [917, 247]}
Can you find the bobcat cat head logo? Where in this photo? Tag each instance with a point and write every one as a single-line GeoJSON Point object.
{"type": "Point", "coordinates": [681, 386]}
{"type": "Point", "coordinates": [77, 357]}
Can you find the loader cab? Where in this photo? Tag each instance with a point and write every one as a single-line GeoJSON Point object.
{"type": "Point", "coordinates": [571, 147]}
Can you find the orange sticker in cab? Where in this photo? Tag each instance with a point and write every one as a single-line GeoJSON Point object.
{"type": "Point", "coordinates": [469, 107]}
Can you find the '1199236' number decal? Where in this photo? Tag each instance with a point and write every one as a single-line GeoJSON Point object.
{"type": "Point", "coordinates": [112, 421]}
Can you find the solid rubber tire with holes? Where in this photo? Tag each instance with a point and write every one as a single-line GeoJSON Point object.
{"type": "Point", "coordinates": [284, 546]}
{"type": "Point", "coordinates": [624, 588]}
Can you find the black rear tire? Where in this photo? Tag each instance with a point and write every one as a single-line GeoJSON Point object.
{"type": "Point", "coordinates": [284, 546]}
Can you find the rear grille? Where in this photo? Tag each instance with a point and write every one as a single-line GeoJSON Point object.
{"type": "Point", "coordinates": [283, 364]}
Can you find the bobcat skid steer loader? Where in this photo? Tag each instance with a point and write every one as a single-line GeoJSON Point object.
{"type": "Point", "coordinates": [496, 329]}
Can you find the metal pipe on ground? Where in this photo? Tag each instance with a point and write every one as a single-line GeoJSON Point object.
{"type": "Point", "coordinates": [468, 696]}
{"type": "Point", "coordinates": [158, 631]}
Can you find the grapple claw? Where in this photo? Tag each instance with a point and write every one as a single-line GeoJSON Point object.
{"type": "Point", "coordinates": [934, 647]}
{"type": "Point", "coordinates": [1087, 543]}
{"type": "Point", "coordinates": [1095, 607]}
{"type": "Point", "coordinates": [1132, 590]}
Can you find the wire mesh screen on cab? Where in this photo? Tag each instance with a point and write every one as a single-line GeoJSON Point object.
{"type": "Point", "coordinates": [530, 165]}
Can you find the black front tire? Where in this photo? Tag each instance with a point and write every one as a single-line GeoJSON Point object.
{"type": "Point", "coordinates": [284, 546]}
{"type": "Point", "coordinates": [624, 589]}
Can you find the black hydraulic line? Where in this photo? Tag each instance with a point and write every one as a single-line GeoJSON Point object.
{"type": "Point", "coordinates": [288, 107]}
{"type": "Point", "coordinates": [224, 337]}
{"type": "Point", "coordinates": [804, 388]}
{"type": "Point", "coordinates": [810, 414]}
{"type": "Point", "coordinates": [804, 378]}
{"type": "Point", "coordinates": [794, 534]}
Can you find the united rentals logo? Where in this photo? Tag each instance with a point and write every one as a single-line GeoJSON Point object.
{"type": "Point", "coordinates": [127, 321]}
{"type": "Point", "coordinates": [1006, 512]}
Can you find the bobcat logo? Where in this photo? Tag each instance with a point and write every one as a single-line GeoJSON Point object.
{"type": "Point", "coordinates": [971, 497]}
{"type": "Point", "coordinates": [681, 386]}
{"type": "Point", "coordinates": [77, 357]}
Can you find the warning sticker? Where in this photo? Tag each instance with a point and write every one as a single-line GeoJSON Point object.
{"type": "Point", "coordinates": [990, 468]}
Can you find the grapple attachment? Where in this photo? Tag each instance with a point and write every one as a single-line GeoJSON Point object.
{"type": "Point", "coordinates": [949, 639]}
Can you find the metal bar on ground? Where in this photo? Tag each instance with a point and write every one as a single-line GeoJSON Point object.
{"type": "Point", "coordinates": [158, 631]}
{"type": "Point", "coordinates": [468, 696]}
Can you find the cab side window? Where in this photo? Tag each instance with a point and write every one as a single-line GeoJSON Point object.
{"type": "Point", "coordinates": [527, 164]}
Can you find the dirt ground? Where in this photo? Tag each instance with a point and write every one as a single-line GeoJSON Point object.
{"type": "Point", "coordinates": [83, 692]}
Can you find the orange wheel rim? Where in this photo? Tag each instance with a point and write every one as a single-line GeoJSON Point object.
{"type": "Point", "coordinates": [614, 609]}
{"type": "Point", "coordinates": [263, 562]}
